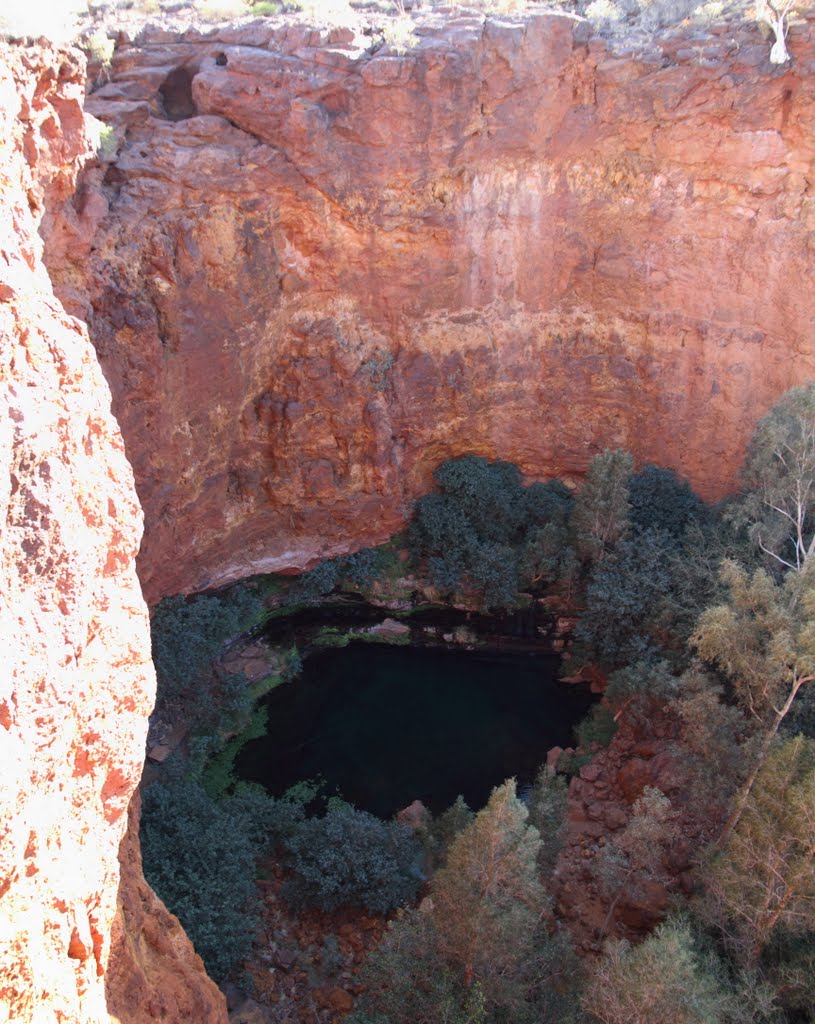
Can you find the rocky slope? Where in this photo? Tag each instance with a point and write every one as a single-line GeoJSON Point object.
{"type": "Point", "coordinates": [316, 271]}
{"type": "Point", "coordinates": [77, 682]}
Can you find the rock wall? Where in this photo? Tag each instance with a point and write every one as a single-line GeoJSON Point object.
{"type": "Point", "coordinates": [77, 683]}
{"type": "Point", "coordinates": [323, 271]}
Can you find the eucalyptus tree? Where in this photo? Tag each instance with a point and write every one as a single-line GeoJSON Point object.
{"type": "Point", "coordinates": [779, 476]}
{"type": "Point", "coordinates": [764, 877]}
{"type": "Point", "coordinates": [763, 640]}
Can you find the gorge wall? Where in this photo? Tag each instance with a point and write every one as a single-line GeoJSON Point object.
{"type": "Point", "coordinates": [77, 683]}
{"type": "Point", "coordinates": [316, 272]}
{"type": "Point", "coordinates": [311, 273]}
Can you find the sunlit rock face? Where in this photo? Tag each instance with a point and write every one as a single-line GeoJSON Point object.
{"type": "Point", "coordinates": [324, 271]}
{"type": "Point", "coordinates": [76, 684]}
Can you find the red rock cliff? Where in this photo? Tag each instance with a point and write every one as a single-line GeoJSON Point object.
{"type": "Point", "coordinates": [322, 271]}
{"type": "Point", "coordinates": [77, 683]}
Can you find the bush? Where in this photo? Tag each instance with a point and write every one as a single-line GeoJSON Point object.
{"type": "Point", "coordinates": [623, 599]}
{"type": "Point", "coordinates": [199, 856]}
{"type": "Point", "coordinates": [349, 857]}
{"type": "Point", "coordinates": [188, 633]}
{"type": "Point", "coordinates": [445, 827]}
{"type": "Point", "coordinates": [317, 582]}
{"type": "Point", "coordinates": [666, 978]}
{"type": "Point", "coordinates": [484, 529]}
{"type": "Point", "coordinates": [658, 499]}
{"type": "Point", "coordinates": [546, 802]}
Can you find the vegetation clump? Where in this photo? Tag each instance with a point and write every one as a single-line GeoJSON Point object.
{"type": "Point", "coordinates": [485, 530]}
{"type": "Point", "coordinates": [351, 858]}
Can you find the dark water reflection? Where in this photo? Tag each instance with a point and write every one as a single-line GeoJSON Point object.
{"type": "Point", "coordinates": [387, 725]}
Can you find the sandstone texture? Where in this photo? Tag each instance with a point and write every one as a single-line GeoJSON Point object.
{"type": "Point", "coordinates": [77, 683]}
{"type": "Point", "coordinates": [317, 271]}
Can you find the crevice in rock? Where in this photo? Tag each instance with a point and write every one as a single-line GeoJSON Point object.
{"type": "Point", "coordinates": [176, 95]}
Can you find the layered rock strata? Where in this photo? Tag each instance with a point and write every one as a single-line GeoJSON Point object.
{"type": "Point", "coordinates": [77, 683]}
{"type": "Point", "coordinates": [322, 270]}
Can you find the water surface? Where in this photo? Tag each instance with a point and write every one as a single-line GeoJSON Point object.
{"type": "Point", "coordinates": [387, 725]}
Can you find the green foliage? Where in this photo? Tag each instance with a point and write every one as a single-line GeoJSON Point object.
{"type": "Point", "coordinates": [483, 529]}
{"type": "Point", "coordinates": [653, 570]}
{"type": "Point", "coordinates": [217, 774]}
{"type": "Point", "coordinates": [199, 856]}
{"type": "Point", "coordinates": [660, 500]}
{"type": "Point", "coordinates": [666, 978]}
{"type": "Point", "coordinates": [789, 962]}
{"type": "Point", "coordinates": [359, 569]}
{"type": "Point", "coordinates": [188, 633]}
{"type": "Point", "coordinates": [488, 902]}
{"type": "Point", "coordinates": [764, 876]}
{"type": "Point", "coordinates": [477, 951]}
{"type": "Point", "coordinates": [349, 857]}
{"type": "Point", "coordinates": [601, 513]}
{"type": "Point", "coordinates": [779, 476]}
{"type": "Point", "coordinates": [317, 582]}
{"type": "Point", "coordinates": [762, 639]}
{"type": "Point", "coordinates": [643, 682]}
{"type": "Point", "coordinates": [712, 733]}
{"type": "Point", "coordinates": [445, 827]}
{"type": "Point", "coordinates": [407, 985]}
{"type": "Point", "coordinates": [546, 803]}
{"type": "Point", "coordinates": [597, 729]}
{"type": "Point", "coordinates": [634, 857]}
{"type": "Point", "coordinates": [623, 598]}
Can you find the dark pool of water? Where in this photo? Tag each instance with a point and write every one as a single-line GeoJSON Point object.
{"type": "Point", "coordinates": [388, 725]}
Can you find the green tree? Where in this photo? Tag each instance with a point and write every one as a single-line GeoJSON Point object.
{"type": "Point", "coordinates": [779, 474]}
{"type": "Point", "coordinates": [623, 598]}
{"type": "Point", "coordinates": [712, 733]}
{"type": "Point", "coordinates": [666, 978]}
{"type": "Point", "coordinates": [763, 640]}
{"type": "Point", "coordinates": [658, 499]}
{"type": "Point", "coordinates": [547, 802]}
{"type": "Point", "coordinates": [601, 511]}
{"type": "Point", "coordinates": [200, 857]}
{"type": "Point", "coordinates": [635, 857]}
{"type": "Point", "coordinates": [350, 857]}
{"type": "Point", "coordinates": [487, 901]}
{"type": "Point", "coordinates": [189, 633]}
{"type": "Point", "coordinates": [407, 984]}
{"type": "Point", "coordinates": [476, 529]}
{"type": "Point", "coordinates": [764, 877]}
{"type": "Point", "coordinates": [478, 949]}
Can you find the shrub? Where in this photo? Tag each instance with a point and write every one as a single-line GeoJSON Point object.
{"type": "Point", "coordinates": [349, 857]}
{"type": "Point", "coordinates": [601, 512]}
{"type": "Point", "coordinates": [666, 978]}
{"type": "Point", "coordinates": [623, 598]}
{"type": "Point", "coordinates": [188, 633]}
{"type": "Point", "coordinates": [546, 802]}
{"type": "Point", "coordinates": [478, 951]}
{"type": "Point", "coordinates": [485, 529]}
{"type": "Point", "coordinates": [445, 827]}
{"type": "Point", "coordinates": [319, 581]}
{"type": "Point", "coordinates": [658, 499]}
{"type": "Point", "coordinates": [596, 729]}
{"type": "Point", "coordinates": [362, 567]}
{"type": "Point", "coordinates": [199, 856]}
